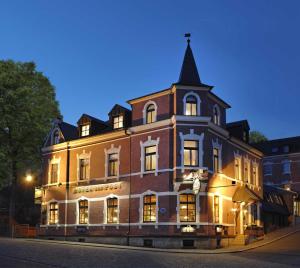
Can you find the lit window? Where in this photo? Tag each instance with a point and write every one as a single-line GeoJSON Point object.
{"type": "Point", "coordinates": [297, 208]}
{"type": "Point", "coordinates": [112, 210]}
{"type": "Point", "coordinates": [54, 173]}
{"type": "Point", "coordinates": [286, 167]}
{"type": "Point", "coordinates": [267, 169]}
{"type": "Point", "coordinates": [85, 130]}
{"type": "Point", "coordinates": [112, 164]}
{"type": "Point", "coordinates": [150, 158]}
{"type": "Point", "coordinates": [83, 169]}
{"type": "Point", "coordinates": [191, 152]}
{"type": "Point", "coordinates": [149, 211]}
{"type": "Point", "coordinates": [191, 105]}
{"type": "Point", "coordinates": [187, 207]}
{"type": "Point", "coordinates": [118, 121]}
{"type": "Point", "coordinates": [216, 116]}
{"type": "Point", "coordinates": [237, 168]}
{"type": "Point", "coordinates": [216, 160]}
{"type": "Point", "coordinates": [150, 114]}
{"type": "Point", "coordinates": [216, 209]}
{"type": "Point", "coordinates": [53, 213]}
{"type": "Point", "coordinates": [56, 137]}
{"type": "Point", "coordinates": [83, 211]}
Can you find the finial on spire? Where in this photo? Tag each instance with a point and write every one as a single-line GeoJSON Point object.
{"type": "Point", "coordinates": [188, 35]}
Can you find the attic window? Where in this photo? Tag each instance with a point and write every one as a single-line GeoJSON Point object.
{"type": "Point", "coordinates": [118, 121]}
{"type": "Point", "coordinates": [55, 137]}
{"type": "Point", "coordinates": [85, 130]}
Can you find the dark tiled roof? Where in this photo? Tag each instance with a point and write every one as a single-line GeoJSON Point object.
{"type": "Point", "coordinates": [69, 131]}
{"type": "Point", "coordinates": [276, 147]}
{"type": "Point", "coordinates": [94, 119]}
{"type": "Point", "coordinates": [244, 123]}
{"type": "Point", "coordinates": [147, 95]}
{"type": "Point", "coordinates": [219, 99]}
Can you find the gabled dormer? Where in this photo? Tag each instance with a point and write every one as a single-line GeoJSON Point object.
{"type": "Point", "coordinates": [89, 126]}
{"type": "Point", "coordinates": [119, 117]}
{"type": "Point", "coordinates": [239, 129]}
{"type": "Point", "coordinates": [60, 132]}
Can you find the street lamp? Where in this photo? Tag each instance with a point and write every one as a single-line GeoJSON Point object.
{"type": "Point", "coordinates": [29, 178]}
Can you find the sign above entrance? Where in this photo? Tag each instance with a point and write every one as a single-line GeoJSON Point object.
{"type": "Point", "coordinates": [97, 188]}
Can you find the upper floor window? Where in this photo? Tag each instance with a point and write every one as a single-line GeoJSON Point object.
{"type": "Point", "coordinates": [191, 152]}
{"type": "Point", "coordinates": [150, 114]}
{"type": "Point", "coordinates": [149, 210]}
{"type": "Point", "coordinates": [112, 210]}
{"type": "Point", "coordinates": [83, 211]}
{"type": "Point", "coordinates": [216, 160]}
{"type": "Point", "coordinates": [267, 169]}
{"type": "Point", "coordinates": [150, 158]}
{"type": "Point", "coordinates": [118, 121]}
{"type": "Point", "coordinates": [113, 164]}
{"type": "Point", "coordinates": [237, 168]}
{"type": "Point", "coordinates": [286, 167]}
{"type": "Point", "coordinates": [187, 203]}
{"type": "Point", "coordinates": [83, 168]}
{"type": "Point", "coordinates": [255, 175]}
{"type": "Point", "coordinates": [216, 115]}
{"type": "Point", "coordinates": [56, 137]}
{"type": "Point", "coordinates": [191, 105]}
{"type": "Point", "coordinates": [53, 213]}
{"type": "Point", "coordinates": [216, 209]}
{"type": "Point", "coordinates": [54, 173]}
{"type": "Point", "coordinates": [286, 149]}
{"type": "Point", "coordinates": [247, 170]}
{"type": "Point", "coordinates": [85, 130]}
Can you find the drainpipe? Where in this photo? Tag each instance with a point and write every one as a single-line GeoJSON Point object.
{"type": "Point", "coordinates": [67, 190]}
{"type": "Point", "coordinates": [128, 133]}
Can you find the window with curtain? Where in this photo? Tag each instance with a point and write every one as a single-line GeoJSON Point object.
{"type": "Point", "coordinates": [112, 210]}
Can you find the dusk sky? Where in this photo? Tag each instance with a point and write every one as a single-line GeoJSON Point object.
{"type": "Point", "coordinates": [98, 53]}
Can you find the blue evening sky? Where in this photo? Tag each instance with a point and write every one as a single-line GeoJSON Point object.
{"type": "Point", "coordinates": [98, 53]}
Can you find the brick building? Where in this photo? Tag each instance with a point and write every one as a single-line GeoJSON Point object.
{"type": "Point", "coordinates": [281, 169]}
{"type": "Point", "coordinates": [165, 173]}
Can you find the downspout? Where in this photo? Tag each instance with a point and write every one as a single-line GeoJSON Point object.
{"type": "Point", "coordinates": [67, 190]}
{"type": "Point", "coordinates": [128, 133]}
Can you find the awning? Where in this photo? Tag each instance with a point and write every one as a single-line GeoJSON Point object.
{"type": "Point", "coordinates": [244, 194]}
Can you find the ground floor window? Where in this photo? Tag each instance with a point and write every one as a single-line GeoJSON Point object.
{"type": "Point", "coordinates": [53, 213]}
{"type": "Point", "coordinates": [216, 209]}
{"type": "Point", "coordinates": [297, 208]}
{"type": "Point", "coordinates": [253, 213]}
{"type": "Point", "coordinates": [149, 211]}
{"type": "Point", "coordinates": [83, 212]}
{"type": "Point", "coordinates": [112, 210]}
{"type": "Point", "coordinates": [187, 207]}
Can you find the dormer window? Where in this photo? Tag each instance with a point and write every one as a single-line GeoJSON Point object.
{"type": "Point", "coordinates": [216, 115]}
{"type": "Point", "coordinates": [118, 121]}
{"type": "Point", "coordinates": [85, 130]}
{"type": "Point", "coordinates": [150, 114]}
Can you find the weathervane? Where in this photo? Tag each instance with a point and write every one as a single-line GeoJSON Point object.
{"type": "Point", "coordinates": [188, 35]}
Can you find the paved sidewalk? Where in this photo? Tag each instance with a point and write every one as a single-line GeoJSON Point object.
{"type": "Point", "coordinates": [269, 238]}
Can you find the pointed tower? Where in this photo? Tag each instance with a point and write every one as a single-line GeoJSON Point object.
{"type": "Point", "coordinates": [189, 73]}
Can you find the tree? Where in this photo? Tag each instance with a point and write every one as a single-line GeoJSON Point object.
{"type": "Point", "coordinates": [27, 108]}
{"type": "Point", "coordinates": [256, 137]}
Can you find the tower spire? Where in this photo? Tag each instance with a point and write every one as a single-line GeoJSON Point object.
{"type": "Point", "coordinates": [189, 73]}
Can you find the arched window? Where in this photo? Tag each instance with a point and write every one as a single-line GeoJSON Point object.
{"type": "Point", "coordinates": [216, 115]}
{"type": "Point", "coordinates": [191, 105]}
{"type": "Point", "coordinates": [150, 114]}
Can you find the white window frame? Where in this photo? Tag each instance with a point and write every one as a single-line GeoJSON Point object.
{"type": "Point", "coordinates": [105, 209]}
{"type": "Point", "coordinates": [238, 157]}
{"type": "Point", "coordinates": [54, 160]}
{"type": "Point", "coordinates": [81, 156]}
{"type": "Point", "coordinates": [197, 196]}
{"type": "Point", "coordinates": [145, 112]}
{"type": "Point", "coordinates": [255, 181]}
{"type": "Point", "coordinates": [107, 152]}
{"type": "Point", "coordinates": [195, 137]}
{"type": "Point", "coordinates": [77, 210]}
{"type": "Point", "coordinates": [88, 131]}
{"type": "Point", "coordinates": [191, 93]}
{"type": "Point", "coordinates": [286, 162]}
{"type": "Point", "coordinates": [216, 107]}
{"type": "Point", "coordinates": [141, 210]}
{"type": "Point", "coordinates": [247, 162]}
{"type": "Point", "coordinates": [143, 145]}
{"type": "Point", "coordinates": [268, 164]}
{"type": "Point", "coordinates": [217, 145]}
